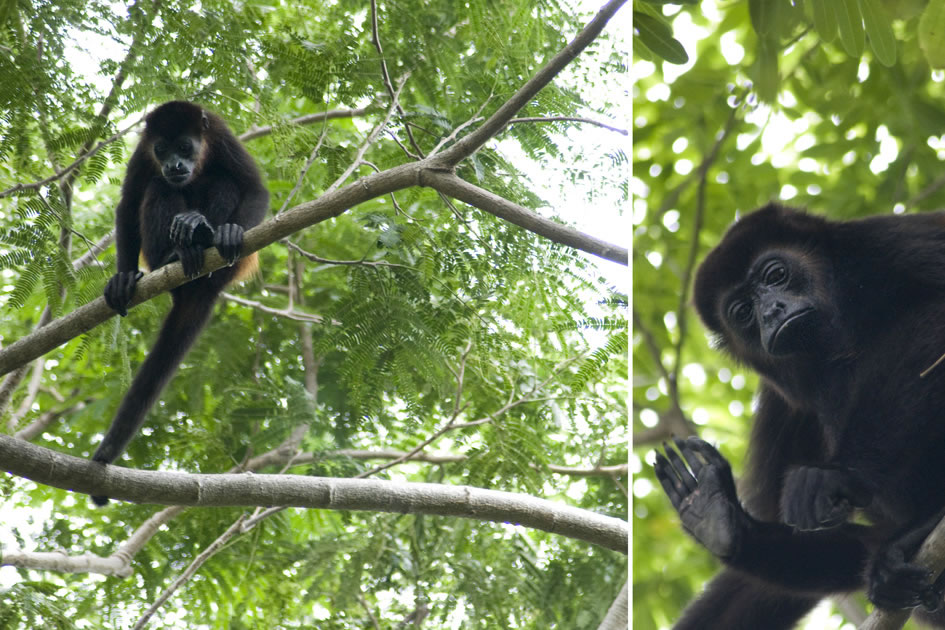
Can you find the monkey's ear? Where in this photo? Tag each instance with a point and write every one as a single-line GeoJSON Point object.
{"type": "Point", "coordinates": [205, 120]}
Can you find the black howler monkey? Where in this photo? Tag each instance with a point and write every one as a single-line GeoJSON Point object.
{"type": "Point", "coordinates": [190, 184]}
{"type": "Point", "coordinates": [839, 319]}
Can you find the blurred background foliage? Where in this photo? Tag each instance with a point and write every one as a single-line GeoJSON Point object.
{"type": "Point", "coordinates": [834, 106]}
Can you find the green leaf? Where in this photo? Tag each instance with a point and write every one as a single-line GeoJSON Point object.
{"type": "Point", "coordinates": [767, 80]}
{"type": "Point", "coordinates": [850, 21]}
{"type": "Point", "coordinates": [825, 19]}
{"type": "Point", "coordinates": [932, 33]}
{"type": "Point", "coordinates": [879, 30]}
{"type": "Point", "coordinates": [658, 37]}
{"type": "Point", "coordinates": [763, 15]}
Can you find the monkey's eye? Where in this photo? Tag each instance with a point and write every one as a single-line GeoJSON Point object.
{"type": "Point", "coordinates": [740, 312]}
{"type": "Point", "coordinates": [775, 273]}
{"type": "Point", "coordinates": [185, 146]}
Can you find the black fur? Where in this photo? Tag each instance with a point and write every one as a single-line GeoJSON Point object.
{"type": "Point", "coordinates": [839, 319]}
{"type": "Point", "coordinates": [220, 193]}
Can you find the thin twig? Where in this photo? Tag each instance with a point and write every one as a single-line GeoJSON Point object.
{"type": "Point", "coordinates": [457, 409]}
{"type": "Point", "coordinates": [588, 121]}
{"type": "Point", "coordinates": [288, 314]}
{"type": "Point", "coordinates": [376, 37]}
{"type": "Point", "coordinates": [205, 555]}
{"type": "Point", "coordinates": [308, 119]}
{"type": "Point", "coordinates": [371, 138]}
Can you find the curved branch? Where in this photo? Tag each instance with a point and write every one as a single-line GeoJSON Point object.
{"type": "Point", "coordinates": [589, 121]}
{"type": "Point", "coordinates": [455, 186]}
{"type": "Point", "coordinates": [50, 468]}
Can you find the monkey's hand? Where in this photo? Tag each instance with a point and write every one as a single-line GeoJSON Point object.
{"type": "Point", "coordinates": [191, 259]}
{"type": "Point", "coordinates": [820, 498]}
{"type": "Point", "coordinates": [228, 240]}
{"type": "Point", "coordinates": [120, 289]}
{"type": "Point", "coordinates": [191, 228]}
{"type": "Point", "coordinates": [700, 486]}
{"type": "Point", "coordinates": [896, 582]}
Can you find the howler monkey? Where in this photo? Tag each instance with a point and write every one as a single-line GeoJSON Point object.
{"type": "Point", "coordinates": [190, 184]}
{"type": "Point", "coordinates": [840, 320]}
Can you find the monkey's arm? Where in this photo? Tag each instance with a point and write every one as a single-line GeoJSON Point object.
{"type": "Point", "coordinates": [699, 483]}
{"type": "Point", "coordinates": [121, 287]}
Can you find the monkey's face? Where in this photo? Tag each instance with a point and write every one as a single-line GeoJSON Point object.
{"type": "Point", "coordinates": [179, 158]}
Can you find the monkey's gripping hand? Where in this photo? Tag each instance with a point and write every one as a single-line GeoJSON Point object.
{"type": "Point", "coordinates": [120, 289]}
{"type": "Point", "coordinates": [191, 228]}
{"type": "Point", "coordinates": [700, 486]}
{"type": "Point", "coordinates": [191, 233]}
{"type": "Point", "coordinates": [228, 240]}
{"type": "Point", "coordinates": [895, 581]}
{"type": "Point", "coordinates": [821, 498]}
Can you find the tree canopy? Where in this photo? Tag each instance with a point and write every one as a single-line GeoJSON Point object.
{"type": "Point", "coordinates": [832, 106]}
{"type": "Point", "coordinates": [430, 366]}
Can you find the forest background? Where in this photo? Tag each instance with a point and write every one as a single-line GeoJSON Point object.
{"type": "Point", "coordinates": [432, 363]}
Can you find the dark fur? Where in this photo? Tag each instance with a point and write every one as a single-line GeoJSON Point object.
{"type": "Point", "coordinates": [226, 189]}
{"type": "Point", "coordinates": [853, 402]}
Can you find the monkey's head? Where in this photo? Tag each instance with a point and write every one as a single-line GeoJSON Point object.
{"type": "Point", "coordinates": [766, 290]}
{"type": "Point", "coordinates": [175, 133]}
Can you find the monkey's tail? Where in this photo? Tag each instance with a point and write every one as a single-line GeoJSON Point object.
{"type": "Point", "coordinates": [192, 308]}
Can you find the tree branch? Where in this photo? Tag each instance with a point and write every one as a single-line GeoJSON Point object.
{"type": "Point", "coordinates": [618, 470]}
{"type": "Point", "coordinates": [454, 186]}
{"type": "Point", "coordinates": [172, 488]}
{"type": "Point", "coordinates": [588, 121]}
{"type": "Point", "coordinates": [298, 316]}
{"type": "Point", "coordinates": [618, 616]}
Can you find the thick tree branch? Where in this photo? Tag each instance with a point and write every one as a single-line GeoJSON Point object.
{"type": "Point", "coordinates": [618, 616]}
{"type": "Point", "coordinates": [171, 488]}
{"type": "Point", "coordinates": [618, 470]}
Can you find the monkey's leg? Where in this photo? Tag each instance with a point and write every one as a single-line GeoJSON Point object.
{"type": "Point", "coordinates": [193, 305]}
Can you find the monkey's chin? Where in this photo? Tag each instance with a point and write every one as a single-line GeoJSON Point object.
{"type": "Point", "coordinates": [178, 181]}
{"type": "Point", "coordinates": [796, 334]}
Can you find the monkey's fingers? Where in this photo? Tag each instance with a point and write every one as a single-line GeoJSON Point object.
{"type": "Point", "coordinates": [694, 461]}
{"type": "Point", "coordinates": [687, 477]}
{"type": "Point", "coordinates": [228, 240]}
{"type": "Point", "coordinates": [670, 481]}
{"type": "Point", "coordinates": [120, 289]}
{"type": "Point", "coordinates": [191, 259]}
{"type": "Point", "coordinates": [191, 228]}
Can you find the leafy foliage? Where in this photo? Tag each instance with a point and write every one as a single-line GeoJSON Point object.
{"type": "Point", "coordinates": [399, 296]}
